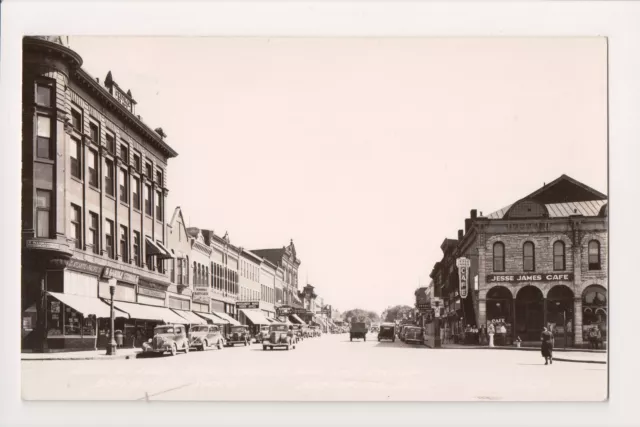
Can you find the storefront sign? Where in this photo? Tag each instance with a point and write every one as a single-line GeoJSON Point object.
{"type": "Point", "coordinates": [547, 277]}
{"type": "Point", "coordinates": [201, 294]}
{"type": "Point", "coordinates": [284, 311]}
{"type": "Point", "coordinates": [112, 273]}
{"type": "Point", "coordinates": [300, 311]}
{"type": "Point", "coordinates": [247, 304]}
{"type": "Point", "coordinates": [84, 267]}
{"type": "Point", "coordinates": [463, 265]}
{"type": "Point", "coordinates": [151, 292]}
{"type": "Point", "coordinates": [47, 244]}
{"type": "Point", "coordinates": [423, 306]}
{"type": "Point", "coordinates": [55, 306]}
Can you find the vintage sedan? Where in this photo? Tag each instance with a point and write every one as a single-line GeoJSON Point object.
{"type": "Point", "coordinates": [202, 337]}
{"type": "Point", "coordinates": [238, 335]}
{"type": "Point", "coordinates": [280, 335]}
{"type": "Point", "coordinates": [168, 338]}
{"type": "Point", "coordinates": [413, 334]}
{"type": "Point", "coordinates": [297, 331]}
{"type": "Point", "coordinates": [387, 332]}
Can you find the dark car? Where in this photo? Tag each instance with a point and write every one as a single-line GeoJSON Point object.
{"type": "Point", "coordinates": [202, 337]}
{"type": "Point", "coordinates": [297, 331]}
{"type": "Point", "coordinates": [239, 335]}
{"type": "Point", "coordinates": [262, 334]}
{"type": "Point", "coordinates": [387, 332]}
{"type": "Point", "coordinates": [413, 334]}
{"type": "Point", "coordinates": [358, 330]}
{"type": "Point", "coordinates": [171, 338]}
{"type": "Point", "coordinates": [280, 335]}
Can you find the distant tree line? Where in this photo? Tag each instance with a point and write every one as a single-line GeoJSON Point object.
{"type": "Point", "coordinates": [360, 315]}
{"type": "Point", "coordinates": [397, 312]}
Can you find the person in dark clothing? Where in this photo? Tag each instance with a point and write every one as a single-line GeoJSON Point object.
{"type": "Point", "coordinates": [547, 346]}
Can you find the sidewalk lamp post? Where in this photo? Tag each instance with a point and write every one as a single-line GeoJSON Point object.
{"type": "Point", "coordinates": [111, 347]}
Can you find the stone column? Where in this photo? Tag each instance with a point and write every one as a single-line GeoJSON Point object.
{"type": "Point", "coordinates": [482, 311]}
{"type": "Point", "coordinates": [577, 322]}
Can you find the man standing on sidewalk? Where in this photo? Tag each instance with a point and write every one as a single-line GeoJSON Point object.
{"type": "Point", "coordinates": [547, 346]}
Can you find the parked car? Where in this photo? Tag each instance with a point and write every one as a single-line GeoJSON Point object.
{"type": "Point", "coordinates": [171, 338]}
{"type": "Point", "coordinates": [280, 336]}
{"type": "Point", "coordinates": [238, 335]}
{"type": "Point", "coordinates": [202, 337]}
{"type": "Point", "coordinates": [413, 334]}
{"type": "Point", "coordinates": [262, 334]}
{"type": "Point", "coordinates": [297, 331]}
{"type": "Point", "coordinates": [306, 331]}
{"type": "Point", "coordinates": [387, 332]}
{"type": "Point", "coordinates": [358, 330]}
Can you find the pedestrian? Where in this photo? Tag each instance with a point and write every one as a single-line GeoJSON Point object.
{"type": "Point", "coordinates": [547, 346]}
{"type": "Point", "coordinates": [598, 337]}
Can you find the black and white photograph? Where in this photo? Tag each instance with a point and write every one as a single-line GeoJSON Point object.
{"type": "Point", "coordinates": [286, 217]}
{"type": "Point", "coordinates": [246, 208]}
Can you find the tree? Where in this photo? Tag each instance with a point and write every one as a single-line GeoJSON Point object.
{"type": "Point", "coordinates": [397, 312]}
{"type": "Point", "coordinates": [360, 315]}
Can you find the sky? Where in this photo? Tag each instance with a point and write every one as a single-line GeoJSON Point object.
{"type": "Point", "coordinates": [366, 152]}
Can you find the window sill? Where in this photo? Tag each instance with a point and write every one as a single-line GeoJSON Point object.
{"type": "Point", "coordinates": [110, 196]}
{"type": "Point", "coordinates": [148, 216]}
{"type": "Point", "coordinates": [126, 205]}
{"type": "Point", "coordinates": [136, 210]}
{"type": "Point", "coordinates": [95, 188]}
{"type": "Point", "coordinates": [44, 160]}
{"type": "Point", "coordinates": [76, 179]}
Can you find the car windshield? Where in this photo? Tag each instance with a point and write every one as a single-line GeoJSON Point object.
{"type": "Point", "coordinates": [237, 329]}
{"type": "Point", "coordinates": [264, 328]}
{"type": "Point", "coordinates": [199, 328]}
{"type": "Point", "coordinates": [278, 328]}
{"type": "Point", "coordinates": [165, 330]}
{"type": "Point", "coordinates": [386, 328]}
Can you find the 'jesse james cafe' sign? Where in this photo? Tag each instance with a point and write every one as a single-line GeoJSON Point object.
{"type": "Point", "coordinates": [546, 277]}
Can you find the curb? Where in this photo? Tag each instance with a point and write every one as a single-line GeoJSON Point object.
{"type": "Point", "coordinates": [100, 357]}
{"type": "Point", "coordinates": [560, 350]}
{"type": "Point", "coordinates": [580, 361]}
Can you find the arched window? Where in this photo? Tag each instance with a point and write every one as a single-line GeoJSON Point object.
{"type": "Point", "coordinates": [594, 255]}
{"type": "Point", "coordinates": [186, 271]}
{"type": "Point", "coordinates": [195, 273]}
{"type": "Point", "coordinates": [498, 256]}
{"type": "Point", "coordinates": [558, 255]}
{"type": "Point", "coordinates": [528, 257]}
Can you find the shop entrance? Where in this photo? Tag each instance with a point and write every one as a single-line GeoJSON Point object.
{"type": "Point", "coordinates": [529, 313]}
{"type": "Point", "coordinates": [560, 315]}
{"type": "Point", "coordinates": [594, 313]}
{"type": "Point", "coordinates": [500, 314]}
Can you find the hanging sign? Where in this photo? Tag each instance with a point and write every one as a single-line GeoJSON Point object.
{"type": "Point", "coordinates": [463, 265]}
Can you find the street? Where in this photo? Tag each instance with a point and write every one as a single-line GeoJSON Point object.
{"type": "Point", "coordinates": [328, 368]}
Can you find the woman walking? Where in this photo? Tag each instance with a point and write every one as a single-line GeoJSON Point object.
{"type": "Point", "coordinates": [547, 346]}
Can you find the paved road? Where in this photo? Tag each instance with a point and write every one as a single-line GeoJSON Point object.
{"type": "Point", "coordinates": [326, 368]}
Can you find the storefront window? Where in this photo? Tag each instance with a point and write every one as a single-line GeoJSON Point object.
{"type": "Point", "coordinates": [54, 318]}
{"type": "Point", "coordinates": [594, 310]}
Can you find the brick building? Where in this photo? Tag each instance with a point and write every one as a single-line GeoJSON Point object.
{"type": "Point", "coordinates": [93, 215]}
{"type": "Point", "coordinates": [539, 261]}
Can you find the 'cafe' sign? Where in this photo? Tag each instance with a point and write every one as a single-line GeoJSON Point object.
{"type": "Point", "coordinates": [463, 265]}
{"type": "Point", "coordinates": [545, 277]}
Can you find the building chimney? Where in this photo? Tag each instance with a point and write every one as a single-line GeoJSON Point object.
{"type": "Point", "coordinates": [474, 213]}
{"type": "Point", "coordinates": [460, 235]}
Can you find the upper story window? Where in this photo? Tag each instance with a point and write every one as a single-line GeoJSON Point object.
{"type": "Point", "coordinates": [76, 157]}
{"type": "Point", "coordinates": [76, 120]}
{"type": "Point", "coordinates": [108, 176]}
{"type": "Point", "coordinates": [147, 170]}
{"type": "Point", "coordinates": [147, 199]}
{"type": "Point", "coordinates": [124, 154]}
{"type": "Point", "coordinates": [159, 205]}
{"type": "Point", "coordinates": [109, 243]}
{"type": "Point", "coordinates": [136, 248]}
{"type": "Point", "coordinates": [43, 209]}
{"type": "Point", "coordinates": [43, 143]}
{"type": "Point", "coordinates": [558, 256]}
{"type": "Point", "coordinates": [124, 186]}
{"type": "Point", "coordinates": [594, 255]}
{"type": "Point", "coordinates": [529, 257]}
{"type": "Point", "coordinates": [44, 94]}
{"type": "Point", "coordinates": [92, 236]}
{"type": "Point", "coordinates": [92, 163]}
{"type": "Point", "coordinates": [76, 226]}
{"type": "Point", "coordinates": [94, 130]}
{"type": "Point", "coordinates": [111, 143]}
{"type": "Point", "coordinates": [136, 193]}
{"type": "Point", "coordinates": [136, 162]}
{"type": "Point", "coordinates": [498, 256]}
{"type": "Point", "coordinates": [159, 177]}
{"type": "Point", "coordinates": [124, 243]}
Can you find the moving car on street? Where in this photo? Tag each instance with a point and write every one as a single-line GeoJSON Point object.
{"type": "Point", "coordinates": [279, 336]}
{"type": "Point", "coordinates": [413, 334]}
{"type": "Point", "coordinates": [167, 338]}
{"type": "Point", "coordinates": [387, 332]}
{"type": "Point", "coordinates": [202, 337]}
{"type": "Point", "coordinates": [297, 331]}
{"type": "Point", "coordinates": [239, 335]}
{"type": "Point", "coordinates": [358, 330]}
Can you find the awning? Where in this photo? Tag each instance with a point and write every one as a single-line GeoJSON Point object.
{"type": "Point", "coordinates": [191, 317]}
{"type": "Point", "coordinates": [89, 306]}
{"type": "Point", "coordinates": [272, 320]}
{"type": "Point", "coordinates": [298, 319]}
{"type": "Point", "coordinates": [295, 297]}
{"type": "Point", "coordinates": [149, 312]}
{"type": "Point", "coordinates": [153, 249]}
{"type": "Point", "coordinates": [228, 318]}
{"type": "Point", "coordinates": [165, 250]}
{"type": "Point", "coordinates": [215, 319]}
{"type": "Point", "coordinates": [255, 316]}
{"type": "Point", "coordinates": [320, 321]}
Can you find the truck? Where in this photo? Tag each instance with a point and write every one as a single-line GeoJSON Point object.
{"type": "Point", "coordinates": [358, 330]}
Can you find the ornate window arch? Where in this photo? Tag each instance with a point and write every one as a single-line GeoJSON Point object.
{"type": "Point", "coordinates": [559, 256]}
{"type": "Point", "coordinates": [498, 256]}
{"type": "Point", "coordinates": [593, 254]}
{"type": "Point", "coordinates": [528, 256]}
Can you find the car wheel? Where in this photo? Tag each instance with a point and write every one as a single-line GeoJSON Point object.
{"type": "Point", "coordinates": [378, 339]}
{"type": "Point", "coordinates": [264, 347]}
{"type": "Point", "coordinates": [364, 338]}
{"type": "Point", "coordinates": [220, 345]}
{"type": "Point", "coordinates": [205, 345]}
{"type": "Point", "coordinates": [186, 349]}
{"type": "Point", "coordinates": [174, 350]}
{"type": "Point", "coordinates": [350, 338]}
{"type": "Point", "coordinates": [287, 347]}
{"type": "Point", "coordinates": [393, 340]}
{"type": "Point", "coordinates": [245, 343]}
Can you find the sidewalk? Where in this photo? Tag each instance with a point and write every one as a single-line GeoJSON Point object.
{"type": "Point", "coordinates": [124, 353]}
{"type": "Point", "coordinates": [563, 355]}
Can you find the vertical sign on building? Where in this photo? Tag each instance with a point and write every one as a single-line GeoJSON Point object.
{"type": "Point", "coordinates": [463, 265]}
